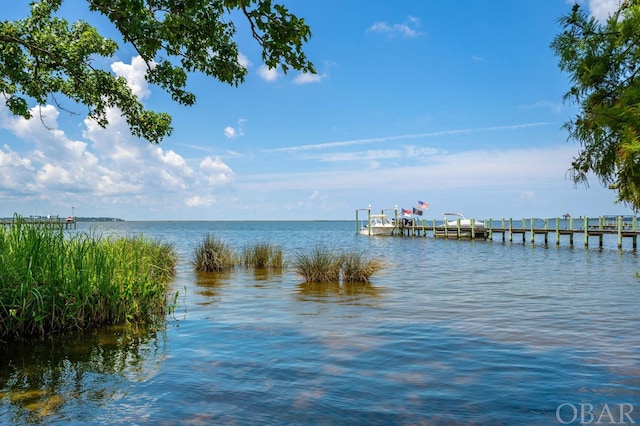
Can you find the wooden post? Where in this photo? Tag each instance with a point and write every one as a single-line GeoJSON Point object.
{"type": "Point", "coordinates": [586, 231]}
{"type": "Point", "coordinates": [510, 230]}
{"type": "Point", "coordinates": [557, 231]}
{"type": "Point", "coordinates": [473, 229]}
{"type": "Point", "coordinates": [532, 233]}
{"type": "Point", "coordinates": [571, 228]}
{"type": "Point", "coordinates": [546, 229]}
{"type": "Point", "coordinates": [619, 232]}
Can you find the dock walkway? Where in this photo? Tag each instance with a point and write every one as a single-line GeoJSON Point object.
{"type": "Point", "coordinates": [50, 221]}
{"type": "Point", "coordinates": [621, 227]}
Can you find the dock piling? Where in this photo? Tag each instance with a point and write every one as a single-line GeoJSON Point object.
{"type": "Point", "coordinates": [620, 227]}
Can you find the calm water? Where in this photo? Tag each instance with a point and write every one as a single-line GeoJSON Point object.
{"type": "Point", "coordinates": [451, 332]}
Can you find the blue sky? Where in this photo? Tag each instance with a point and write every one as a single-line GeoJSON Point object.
{"type": "Point", "coordinates": [458, 104]}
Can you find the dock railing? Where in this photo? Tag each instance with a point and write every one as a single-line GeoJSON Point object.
{"type": "Point", "coordinates": [49, 221]}
{"type": "Point", "coordinates": [527, 229]}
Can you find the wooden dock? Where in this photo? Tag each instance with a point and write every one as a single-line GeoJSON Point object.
{"type": "Point", "coordinates": [49, 221]}
{"type": "Point", "coordinates": [528, 230]}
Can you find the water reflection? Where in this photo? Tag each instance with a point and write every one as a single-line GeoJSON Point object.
{"type": "Point", "coordinates": [210, 285]}
{"type": "Point", "coordinates": [503, 337]}
{"type": "Point", "coordinates": [342, 290]}
{"type": "Point", "coordinates": [52, 378]}
{"type": "Point", "coordinates": [265, 274]}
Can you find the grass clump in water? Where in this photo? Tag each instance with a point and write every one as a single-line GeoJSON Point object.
{"type": "Point", "coordinates": [263, 255]}
{"type": "Point", "coordinates": [321, 265]}
{"type": "Point", "coordinates": [356, 268]}
{"type": "Point", "coordinates": [51, 283]}
{"type": "Point", "coordinates": [214, 254]}
{"type": "Point", "coordinates": [325, 265]}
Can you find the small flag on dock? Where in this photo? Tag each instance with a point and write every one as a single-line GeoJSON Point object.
{"type": "Point", "coordinates": [423, 205]}
{"type": "Point", "coordinates": [417, 211]}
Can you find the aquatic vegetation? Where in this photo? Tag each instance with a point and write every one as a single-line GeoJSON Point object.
{"type": "Point", "coordinates": [50, 282]}
{"type": "Point", "coordinates": [357, 268]}
{"type": "Point", "coordinates": [321, 265]}
{"type": "Point", "coordinates": [326, 265]}
{"type": "Point", "coordinates": [214, 254]}
{"type": "Point", "coordinates": [263, 255]}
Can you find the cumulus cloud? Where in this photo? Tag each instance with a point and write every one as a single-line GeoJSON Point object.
{"type": "Point", "coordinates": [232, 132]}
{"type": "Point", "coordinates": [105, 164]}
{"type": "Point", "coordinates": [268, 74]}
{"type": "Point", "coordinates": [216, 171]}
{"type": "Point", "coordinates": [134, 73]}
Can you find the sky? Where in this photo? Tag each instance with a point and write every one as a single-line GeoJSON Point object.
{"type": "Point", "coordinates": [456, 104]}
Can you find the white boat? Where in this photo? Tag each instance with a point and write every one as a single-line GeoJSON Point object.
{"type": "Point", "coordinates": [455, 225]}
{"type": "Point", "coordinates": [378, 224]}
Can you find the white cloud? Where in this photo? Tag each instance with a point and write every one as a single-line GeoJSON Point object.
{"type": "Point", "coordinates": [268, 74]}
{"type": "Point", "coordinates": [601, 9]}
{"type": "Point", "coordinates": [198, 201]}
{"type": "Point", "coordinates": [216, 171]}
{"type": "Point", "coordinates": [108, 164]}
{"type": "Point", "coordinates": [244, 61]}
{"type": "Point", "coordinates": [407, 29]}
{"type": "Point", "coordinates": [232, 133]}
{"type": "Point", "coordinates": [468, 169]}
{"type": "Point", "coordinates": [551, 106]}
{"type": "Point", "coordinates": [134, 73]}
{"type": "Point", "coordinates": [306, 78]}
{"type": "Point", "coordinates": [405, 137]}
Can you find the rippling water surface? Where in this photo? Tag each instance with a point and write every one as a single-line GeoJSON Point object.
{"type": "Point", "coordinates": [451, 332]}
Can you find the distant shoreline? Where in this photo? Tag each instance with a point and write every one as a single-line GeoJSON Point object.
{"type": "Point", "coordinates": [77, 218]}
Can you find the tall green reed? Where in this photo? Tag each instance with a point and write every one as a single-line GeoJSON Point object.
{"type": "Point", "coordinates": [52, 282]}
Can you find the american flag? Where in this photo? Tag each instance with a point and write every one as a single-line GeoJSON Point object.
{"type": "Point", "coordinates": [423, 205]}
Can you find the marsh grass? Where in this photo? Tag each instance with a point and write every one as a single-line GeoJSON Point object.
{"type": "Point", "coordinates": [214, 254]}
{"type": "Point", "coordinates": [326, 265]}
{"type": "Point", "coordinates": [358, 269]}
{"type": "Point", "coordinates": [321, 265]}
{"type": "Point", "coordinates": [263, 255]}
{"type": "Point", "coordinates": [51, 283]}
